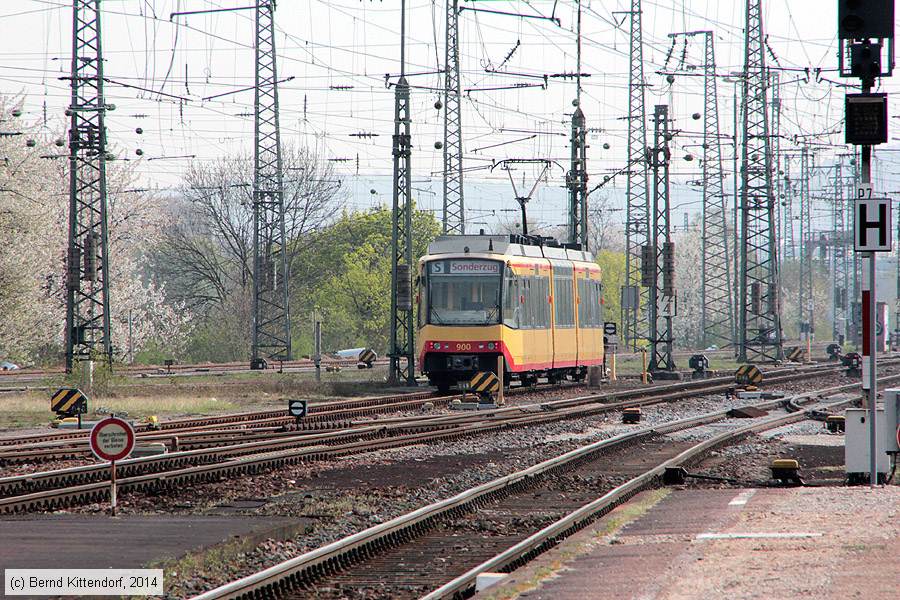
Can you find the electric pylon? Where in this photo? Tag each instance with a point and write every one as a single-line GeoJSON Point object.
{"type": "Point", "coordinates": [454, 207]}
{"type": "Point", "coordinates": [271, 312]}
{"type": "Point", "coordinates": [88, 334]}
{"type": "Point", "coordinates": [634, 296]}
{"type": "Point", "coordinates": [717, 312]}
{"type": "Point", "coordinates": [760, 320]}
{"type": "Point", "coordinates": [659, 253]}
{"type": "Point", "coordinates": [805, 308]}
{"type": "Point", "coordinates": [402, 349]}
{"type": "Point", "coordinates": [840, 255]}
{"type": "Point", "coordinates": [788, 242]}
{"type": "Point", "coordinates": [576, 178]}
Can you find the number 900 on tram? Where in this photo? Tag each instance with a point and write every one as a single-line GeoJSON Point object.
{"type": "Point", "coordinates": [530, 302]}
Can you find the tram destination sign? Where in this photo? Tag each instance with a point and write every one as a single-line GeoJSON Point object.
{"type": "Point", "coordinates": [465, 267]}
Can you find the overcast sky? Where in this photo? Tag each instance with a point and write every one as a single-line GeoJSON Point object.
{"type": "Point", "coordinates": [351, 44]}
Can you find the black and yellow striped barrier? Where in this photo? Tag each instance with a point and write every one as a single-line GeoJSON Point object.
{"type": "Point", "coordinates": [367, 356]}
{"type": "Point", "coordinates": [68, 402]}
{"type": "Point", "coordinates": [485, 382]}
{"type": "Point", "coordinates": [748, 375]}
{"type": "Point", "coordinates": [794, 354]}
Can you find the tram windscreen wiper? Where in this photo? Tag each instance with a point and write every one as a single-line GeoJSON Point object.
{"type": "Point", "coordinates": [435, 317]}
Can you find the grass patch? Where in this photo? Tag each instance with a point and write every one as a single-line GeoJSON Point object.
{"type": "Point", "coordinates": [611, 525]}
{"type": "Point", "coordinates": [193, 395]}
{"type": "Point", "coordinates": [33, 408]}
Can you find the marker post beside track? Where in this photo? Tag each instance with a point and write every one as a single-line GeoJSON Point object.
{"type": "Point", "coordinates": [500, 374]}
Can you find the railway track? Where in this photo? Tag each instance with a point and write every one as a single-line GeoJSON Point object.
{"type": "Point", "coordinates": [73, 486]}
{"type": "Point", "coordinates": [500, 525]}
{"type": "Point", "coordinates": [318, 413]}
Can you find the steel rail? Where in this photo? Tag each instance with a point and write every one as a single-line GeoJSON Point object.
{"type": "Point", "coordinates": [339, 555]}
{"type": "Point", "coordinates": [48, 484]}
{"type": "Point", "coordinates": [194, 423]}
{"type": "Point", "coordinates": [541, 541]}
{"type": "Point", "coordinates": [512, 416]}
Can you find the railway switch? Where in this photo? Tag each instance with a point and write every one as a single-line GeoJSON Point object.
{"type": "Point", "coordinates": [674, 476]}
{"type": "Point", "coordinates": [786, 470]}
{"type": "Point", "coordinates": [700, 364]}
{"type": "Point", "coordinates": [853, 362]}
{"type": "Point", "coordinates": [835, 423]}
{"type": "Point", "coordinates": [631, 415]}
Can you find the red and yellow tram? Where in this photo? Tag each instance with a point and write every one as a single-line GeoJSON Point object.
{"type": "Point", "coordinates": [533, 302]}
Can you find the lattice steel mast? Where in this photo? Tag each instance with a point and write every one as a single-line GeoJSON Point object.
{"type": "Point", "coordinates": [271, 312]}
{"type": "Point", "coordinates": [660, 251]}
{"type": "Point", "coordinates": [454, 207]}
{"type": "Point", "coordinates": [576, 178]}
{"type": "Point", "coordinates": [805, 308]}
{"type": "Point", "coordinates": [636, 219]}
{"type": "Point", "coordinates": [88, 333]}
{"type": "Point", "coordinates": [787, 212]}
{"type": "Point", "coordinates": [402, 349]}
{"type": "Point", "coordinates": [840, 255]}
{"type": "Point", "coordinates": [717, 310]}
{"type": "Point", "coordinates": [760, 321]}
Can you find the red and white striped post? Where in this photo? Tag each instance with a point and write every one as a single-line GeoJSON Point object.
{"type": "Point", "coordinates": [870, 359]}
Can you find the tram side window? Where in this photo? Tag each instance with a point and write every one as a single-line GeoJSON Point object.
{"type": "Point", "coordinates": [512, 304]}
{"type": "Point", "coordinates": [564, 300]}
{"type": "Point", "coordinates": [543, 301]}
{"type": "Point", "coordinates": [583, 303]}
{"type": "Point", "coordinates": [589, 305]}
{"type": "Point", "coordinates": [599, 303]}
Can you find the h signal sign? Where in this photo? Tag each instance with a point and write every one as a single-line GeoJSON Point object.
{"type": "Point", "coordinates": [872, 225]}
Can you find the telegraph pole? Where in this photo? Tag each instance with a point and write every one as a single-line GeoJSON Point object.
{"type": "Point", "coordinates": [634, 297]}
{"type": "Point", "coordinates": [88, 333]}
{"type": "Point", "coordinates": [454, 208]}
{"type": "Point", "coordinates": [760, 319]}
{"type": "Point", "coordinates": [658, 263]}
{"type": "Point", "coordinates": [271, 336]}
{"type": "Point", "coordinates": [402, 350]}
{"type": "Point", "coordinates": [576, 178]}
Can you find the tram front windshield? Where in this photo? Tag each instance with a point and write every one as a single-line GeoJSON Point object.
{"type": "Point", "coordinates": [464, 292]}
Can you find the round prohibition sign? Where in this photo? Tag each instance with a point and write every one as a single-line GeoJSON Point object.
{"type": "Point", "coordinates": [112, 439]}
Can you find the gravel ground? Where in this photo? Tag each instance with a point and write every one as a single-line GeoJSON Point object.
{"type": "Point", "coordinates": [371, 489]}
{"type": "Point", "coordinates": [854, 557]}
{"type": "Point", "coordinates": [345, 496]}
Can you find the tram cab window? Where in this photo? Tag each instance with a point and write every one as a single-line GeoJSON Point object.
{"type": "Point", "coordinates": [464, 292]}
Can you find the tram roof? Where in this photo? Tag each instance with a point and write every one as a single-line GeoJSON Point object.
{"type": "Point", "coordinates": [510, 245]}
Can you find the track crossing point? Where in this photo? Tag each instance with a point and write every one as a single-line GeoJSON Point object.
{"type": "Point", "coordinates": [748, 375]}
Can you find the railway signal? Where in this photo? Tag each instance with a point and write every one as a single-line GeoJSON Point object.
{"type": "Point", "coordinates": [298, 409]}
{"type": "Point", "coordinates": [866, 36]}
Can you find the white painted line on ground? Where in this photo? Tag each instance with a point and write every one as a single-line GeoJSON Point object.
{"type": "Point", "coordinates": [739, 536]}
{"type": "Point", "coordinates": [742, 498]}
